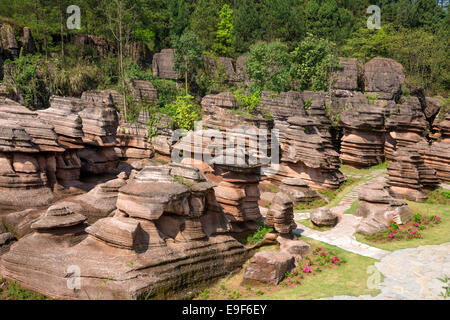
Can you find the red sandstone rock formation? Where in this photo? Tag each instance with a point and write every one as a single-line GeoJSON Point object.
{"type": "Point", "coordinates": [363, 122]}
{"type": "Point", "coordinates": [162, 240]}
{"type": "Point", "coordinates": [378, 208]}
{"type": "Point", "coordinates": [163, 64]}
{"type": "Point", "coordinates": [408, 175]}
{"type": "Point", "coordinates": [304, 136]}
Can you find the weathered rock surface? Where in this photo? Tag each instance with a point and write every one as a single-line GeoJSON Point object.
{"type": "Point", "coordinates": [298, 190]}
{"type": "Point", "coordinates": [347, 77]}
{"type": "Point", "coordinates": [269, 267]}
{"type": "Point", "coordinates": [323, 217]}
{"type": "Point", "coordinates": [163, 64]}
{"type": "Point", "coordinates": [304, 136]}
{"type": "Point", "coordinates": [101, 201]}
{"type": "Point", "coordinates": [383, 77]}
{"type": "Point", "coordinates": [144, 91]}
{"type": "Point", "coordinates": [405, 123]}
{"type": "Point", "coordinates": [362, 144]}
{"type": "Point", "coordinates": [378, 208]}
{"type": "Point", "coordinates": [135, 142]}
{"type": "Point", "coordinates": [281, 215]}
{"type": "Point", "coordinates": [147, 249]}
{"type": "Point", "coordinates": [408, 175]}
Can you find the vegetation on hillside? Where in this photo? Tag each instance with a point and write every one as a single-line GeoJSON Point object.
{"type": "Point", "coordinates": [291, 44]}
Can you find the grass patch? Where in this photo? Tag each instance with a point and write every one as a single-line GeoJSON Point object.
{"type": "Point", "coordinates": [337, 195]}
{"type": "Point", "coordinates": [350, 278]}
{"type": "Point", "coordinates": [432, 236]}
{"type": "Point", "coordinates": [309, 224]}
{"type": "Point", "coordinates": [350, 171]}
{"type": "Point", "coordinates": [272, 188]}
{"type": "Point", "coordinates": [353, 207]}
{"type": "Point", "coordinates": [306, 206]}
{"type": "Point", "coordinates": [439, 196]}
{"type": "Point", "coordinates": [12, 291]}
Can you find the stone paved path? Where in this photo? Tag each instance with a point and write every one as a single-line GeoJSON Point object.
{"type": "Point", "coordinates": [411, 274]}
{"type": "Point", "coordinates": [343, 234]}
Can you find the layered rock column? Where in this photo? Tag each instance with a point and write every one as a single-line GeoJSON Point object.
{"type": "Point", "coordinates": [437, 154]}
{"type": "Point", "coordinates": [362, 144]}
{"type": "Point", "coordinates": [27, 157]}
{"type": "Point", "coordinates": [304, 137]}
{"type": "Point", "coordinates": [406, 125]}
{"type": "Point", "coordinates": [408, 176]}
{"type": "Point", "coordinates": [100, 121]}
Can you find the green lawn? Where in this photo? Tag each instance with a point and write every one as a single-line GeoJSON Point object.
{"type": "Point", "coordinates": [437, 235]}
{"type": "Point", "coordinates": [348, 279]}
{"type": "Point", "coordinates": [353, 207]}
{"type": "Point", "coordinates": [309, 224]}
{"type": "Point", "coordinates": [349, 171]}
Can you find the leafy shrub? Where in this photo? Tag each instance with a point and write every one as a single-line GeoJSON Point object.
{"type": "Point", "coordinates": [250, 102]}
{"type": "Point", "coordinates": [184, 112]}
{"type": "Point", "coordinates": [259, 234]}
{"type": "Point", "coordinates": [439, 196]}
{"type": "Point", "coordinates": [268, 67]}
{"type": "Point", "coordinates": [312, 63]}
{"type": "Point", "coordinates": [29, 75]}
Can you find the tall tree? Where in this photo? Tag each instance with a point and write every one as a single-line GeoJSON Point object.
{"type": "Point", "coordinates": [225, 32]}
{"type": "Point", "coordinates": [247, 22]}
{"type": "Point", "coordinates": [188, 55]}
{"type": "Point", "coordinates": [283, 20]}
{"type": "Point", "coordinates": [121, 20]}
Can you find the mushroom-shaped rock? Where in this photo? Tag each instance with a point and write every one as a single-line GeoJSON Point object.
{"type": "Point", "coordinates": [151, 193]}
{"type": "Point", "coordinates": [323, 217]}
{"type": "Point", "coordinates": [59, 216]}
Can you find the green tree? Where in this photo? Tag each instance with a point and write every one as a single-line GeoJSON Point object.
{"type": "Point", "coordinates": [247, 22]}
{"type": "Point", "coordinates": [188, 55]}
{"type": "Point", "coordinates": [283, 20]}
{"type": "Point", "coordinates": [322, 18]}
{"type": "Point", "coordinates": [204, 20]}
{"type": "Point", "coordinates": [268, 66]}
{"type": "Point", "coordinates": [312, 63]}
{"type": "Point", "coordinates": [225, 32]}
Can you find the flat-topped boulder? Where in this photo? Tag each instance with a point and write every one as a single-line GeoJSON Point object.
{"type": "Point", "coordinates": [324, 217]}
{"type": "Point", "coordinates": [59, 216]}
{"type": "Point", "coordinates": [298, 190]}
{"type": "Point", "coordinates": [383, 77]}
{"type": "Point", "coordinates": [151, 193]}
{"type": "Point", "coordinates": [269, 267]}
{"type": "Point", "coordinates": [346, 78]}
